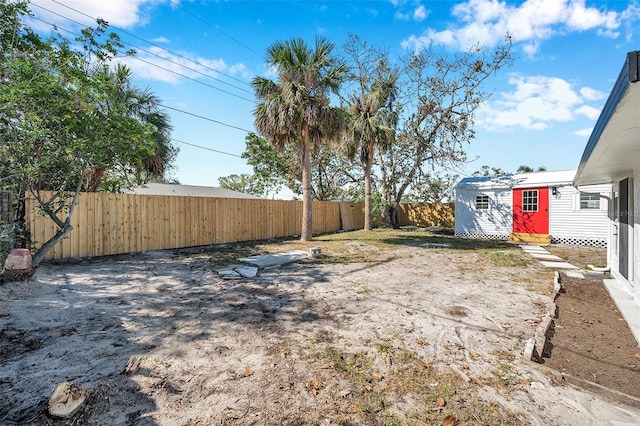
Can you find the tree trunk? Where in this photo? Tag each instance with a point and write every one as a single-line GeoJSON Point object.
{"type": "Point", "coordinates": [306, 234]}
{"type": "Point", "coordinates": [95, 178]}
{"type": "Point", "coordinates": [368, 208]}
{"type": "Point", "coordinates": [42, 251]}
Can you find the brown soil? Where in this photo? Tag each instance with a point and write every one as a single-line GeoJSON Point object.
{"type": "Point", "coordinates": [589, 338]}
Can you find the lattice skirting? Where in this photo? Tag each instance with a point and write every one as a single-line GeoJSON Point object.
{"type": "Point", "coordinates": [579, 241]}
{"type": "Point", "coordinates": [482, 236]}
{"type": "Point", "coordinates": [572, 241]}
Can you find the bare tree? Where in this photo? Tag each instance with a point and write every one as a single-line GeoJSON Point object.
{"type": "Point", "coordinates": [440, 95]}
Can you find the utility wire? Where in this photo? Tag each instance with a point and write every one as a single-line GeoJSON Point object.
{"type": "Point", "coordinates": [205, 118]}
{"type": "Point", "coordinates": [158, 66]}
{"type": "Point", "coordinates": [204, 147]}
{"type": "Point", "coordinates": [176, 4]}
{"type": "Point", "coordinates": [146, 41]}
{"type": "Point", "coordinates": [172, 108]}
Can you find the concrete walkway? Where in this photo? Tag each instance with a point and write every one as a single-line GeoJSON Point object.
{"type": "Point", "coordinates": [551, 261]}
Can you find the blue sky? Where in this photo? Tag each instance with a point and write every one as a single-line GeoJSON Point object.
{"type": "Point", "coordinates": [199, 57]}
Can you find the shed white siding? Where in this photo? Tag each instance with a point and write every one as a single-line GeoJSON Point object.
{"type": "Point", "coordinates": [569, 224]}
{"type": "Point", "coordinates": [493, 222]}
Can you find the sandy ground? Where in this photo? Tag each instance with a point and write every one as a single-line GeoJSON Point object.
{"type": "Point", "coordinates": [203, 350]}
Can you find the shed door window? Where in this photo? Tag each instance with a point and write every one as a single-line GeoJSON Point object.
{"type": "Point", "coordinates": [530, 200]}
{"type": "Point", "coordinates": [482, 202]}
{"type": "Point", "coordinates": [589, 202]}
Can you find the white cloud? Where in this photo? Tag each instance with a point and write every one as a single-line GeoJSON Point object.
{"type": "Point", "coordinates": [590, 94]}
{"type": "Point", "coordinates": [401, 16]}
{"type": "Point", "coordinates": [161, 40]}
{"type": "Point", "coordinates": [405, 13]}
{"type": "Point", "coordinates": [536, 103]}
{"type": "Point", "coordinates": [372, 12]}
{"type": "Point", "coordinates": [120, 13]}
{"type": "Point", "coordinates": [584, 132]}
{"type": "Point", "coordinates": [420, 14]}
{"type": "Point", "coordinates": [588, 111]}
{"type": "Point", "coordinates": [488, 21]}
{"type": "Point", "coordinates": [169, 68]}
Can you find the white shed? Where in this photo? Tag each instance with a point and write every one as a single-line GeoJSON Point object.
{"type": "Point", "coordinates": [543, 206]}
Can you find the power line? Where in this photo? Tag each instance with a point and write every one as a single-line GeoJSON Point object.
{"type": "Point", "coordinates": [176, 109]}
{"type": "Point", "coordinates": [194, 80]}
{"type": "Point", "coordinates": [205, 118]}
{"type": "Point", "coordinates": [156, 65]}
{"type": "Point", "coordinates": [206, 148]}
{"type": "Point", "coordinates": [215, 28]}
{"type": "Point", "coordinates": [146, 41]}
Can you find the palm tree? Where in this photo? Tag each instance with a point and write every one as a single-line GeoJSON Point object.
{"type": "Point", "coordinates": [368, 128]}
{"type": "Point", "coordinates": [144, 106]}
{"type": "Point", "coordinates": [296, 108]}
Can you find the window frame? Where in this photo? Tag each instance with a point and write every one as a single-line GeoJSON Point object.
{"type": "Point", "coordinates": [587, 200]}
{"type": "Point", "coordinates": [482, 202]}
{"type": "Point", "coordinates": [530, 200]}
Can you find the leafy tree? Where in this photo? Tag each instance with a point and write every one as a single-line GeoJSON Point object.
{"type": "Point", "coordinates": [369, 123]}
{"type": "Point", "coordinates": [143, 106]}
{"type": "Point", "coordinates": [435, 188]}
{"type": "Point", "coordinates": [271, 169]}
{"type": "Point", "coordinates": [244, 183]}
{"type": "Point", "coordinates": [295, 109]}
{"type": "Point", "coordinates": [439, 97]}
{"type": "Point", "coordinates": [54, 126]}
{"type": "Point", "coordinates": [527, 169]}
{"type": "Point", "coordinates": [486, 171]}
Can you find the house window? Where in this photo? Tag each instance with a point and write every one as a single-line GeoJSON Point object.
{"type": "Point", "coordinates": [589, 202]}
{"type": "Point", "coordinates": [482, 202]}
{"type": "Point", "coordinates": [530, 200]}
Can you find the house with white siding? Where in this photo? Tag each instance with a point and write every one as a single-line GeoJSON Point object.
{"type": "Point", "coordinates": [541, 207]}
{"type": "Point", "coordinates": [612, 157]}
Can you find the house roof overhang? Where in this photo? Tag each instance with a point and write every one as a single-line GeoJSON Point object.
{"type": "Point", "coordinates": [613, 150]}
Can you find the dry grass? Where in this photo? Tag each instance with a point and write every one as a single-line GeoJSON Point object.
{"type": "Point", "coordinates": [394, 386]}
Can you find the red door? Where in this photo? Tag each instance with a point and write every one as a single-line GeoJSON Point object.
{"type": "Point", "coordinates": [531, 210]}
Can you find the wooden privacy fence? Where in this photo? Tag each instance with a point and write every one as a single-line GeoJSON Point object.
{"type": "Point", "coordinates": [6, 207]}
{"type": "Point", "coordinates": [426, 214]}
{"type": "Point", "coordinates": [107, 224]}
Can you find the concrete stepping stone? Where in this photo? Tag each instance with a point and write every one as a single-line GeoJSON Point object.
{"type": "Point", "coordinates": [575, 274]}
{"type": "Point", "coordinates": [533, 249]}
{"type": "Point", "coordinates": [558, 265]}
{"type": "Point", "coordinates": [267, 260]}
{"type": "Point", "coordinates": [542, 256]}
{"type": "Point", "coordinates": [247, 271]}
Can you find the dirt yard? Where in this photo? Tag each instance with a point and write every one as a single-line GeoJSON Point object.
{"type": "Point", "coordinates": [386, 328]}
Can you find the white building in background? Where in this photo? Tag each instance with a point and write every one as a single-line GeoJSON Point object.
{"type": "Point", "coordinates": [544, 206]}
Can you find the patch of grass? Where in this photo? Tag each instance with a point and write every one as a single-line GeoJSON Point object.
{"type": "Point", "coordinates": [426, 395]}
{"type": "Point", "coordinates": [385, 346]}
{"type": "Point", "coordinates": [321, 337]}
{"type": "Point", "coordinates": [355, 366]}
{"type": "Point", "coordinates": [505, 374]}
{"type": "Point", "coordinates": [508, 258]}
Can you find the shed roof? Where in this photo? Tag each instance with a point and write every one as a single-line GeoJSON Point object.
{"type": "Point", "coordinates": [520, 180]}
{"type": "Point", "coordinates": [188, 190]}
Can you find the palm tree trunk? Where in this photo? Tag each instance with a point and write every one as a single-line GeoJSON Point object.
{"type": "Point", "coordinates": [306, 233]}
{"type": "Point", "coordinates": [368, 208]}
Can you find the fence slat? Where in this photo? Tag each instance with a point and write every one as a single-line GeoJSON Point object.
{"type": "Point", "coordinates": [107, 224]}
